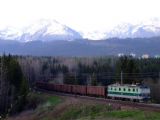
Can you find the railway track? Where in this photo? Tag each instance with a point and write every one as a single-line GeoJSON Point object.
{"type": "Point", "coordinates": [135, 105]}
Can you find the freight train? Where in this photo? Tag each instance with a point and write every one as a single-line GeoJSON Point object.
{"type": "Point", "coordinates": [138, 93]}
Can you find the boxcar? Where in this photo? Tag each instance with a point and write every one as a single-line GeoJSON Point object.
{"type": "Point", "coordinates": [96, 90]}
{"type": "Point", "coordinates": [41, 85]}
{"type": "Point", "coordinates": [58, 87]}
{"type": "Point", "coordinates": [49, 86]}
{"type": "Point", "coordinates": [66, 88]}
{"type": "Point", "coordinates": [79, 89]}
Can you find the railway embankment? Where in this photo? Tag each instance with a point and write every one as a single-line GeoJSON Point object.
{"type": "Point", "coordinates": [60, 107]}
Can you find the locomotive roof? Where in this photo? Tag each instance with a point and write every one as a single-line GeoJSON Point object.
{"type": "Point", "coordinates": [128, 85]}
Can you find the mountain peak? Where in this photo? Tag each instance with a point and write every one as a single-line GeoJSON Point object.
{"type": "Point", "coordinates": [43, 29]}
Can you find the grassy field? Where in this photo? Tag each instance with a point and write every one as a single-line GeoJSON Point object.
{"type": "Point", "coordinates": [99, 112]}
{"type": "Point", "coordinates": [51, 107]}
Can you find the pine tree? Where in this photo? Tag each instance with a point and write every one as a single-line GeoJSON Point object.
{"type": "Point", "coordinates": [94, 81]}
{"type": "Point", "coordinates": [13, 86]}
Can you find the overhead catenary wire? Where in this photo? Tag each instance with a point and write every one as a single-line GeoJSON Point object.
{"type": "Point", "coordinates": [109, 75]}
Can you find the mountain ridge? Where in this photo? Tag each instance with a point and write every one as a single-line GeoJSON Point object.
{"type": "Point", "coordinates": [48, 30]}
{"type": "Point", "coordinates": [84, 47]}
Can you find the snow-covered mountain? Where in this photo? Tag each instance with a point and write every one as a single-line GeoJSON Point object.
{"type": "Point", "coordinates": [44, 30]}
{"type": "Point", "coordinates": [134, 31]}
{"type": "Point", "coordinates": [48, 30]}
{"type": "Point", "coordinates": [10, 33]}
{"type": "Point", "coordinates": [143, 29]}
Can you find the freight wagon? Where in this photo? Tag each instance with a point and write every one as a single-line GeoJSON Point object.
{"type": "Point", "coordinates": [79, 89]}
{"type": "Point", "coordinates": [96, 91]}
{"type": "Point", "coordinates": [66, 88]}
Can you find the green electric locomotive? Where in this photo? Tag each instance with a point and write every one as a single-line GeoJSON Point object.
{"type": "Point", "coordinates": [131, 92]}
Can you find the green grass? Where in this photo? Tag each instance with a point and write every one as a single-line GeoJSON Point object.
{"type": "Point", "coordinates": [123, 114]}
{"type": "Point", "coordinates": [134, 115]}
{"type": "Point", "coordinates": [99, 112]}
{"type": "Point", "coordinates": [44, 99]}
{"type": "Point", "coordinates": [52, 101]}
{"type": "Point", "coordinates": [91, 111]}
{"type": "Point", "coordinates": [49, 103]}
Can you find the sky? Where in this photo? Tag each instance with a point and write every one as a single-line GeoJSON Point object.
{"type": "Point", "coordinates": [82, 15]}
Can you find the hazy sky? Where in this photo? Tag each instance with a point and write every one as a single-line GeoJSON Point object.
{"type": "Point", "coordinates": [78, 14]}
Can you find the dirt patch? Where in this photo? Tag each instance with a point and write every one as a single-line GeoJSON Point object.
{"type": "Point", "coordinates": [63, 106]}
{"type": "Point", "coordinates": [26, 115]}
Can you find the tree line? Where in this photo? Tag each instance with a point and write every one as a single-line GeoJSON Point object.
{"type": "Point", "coordinates": [89, 71]}
{"type": "Point", "coordinates": [13, 86]}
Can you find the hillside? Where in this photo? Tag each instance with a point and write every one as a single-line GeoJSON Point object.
{"type": "Point", "coordinates": [83, 47]}
{"type": "Point", "coordinates": [71, 108]}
